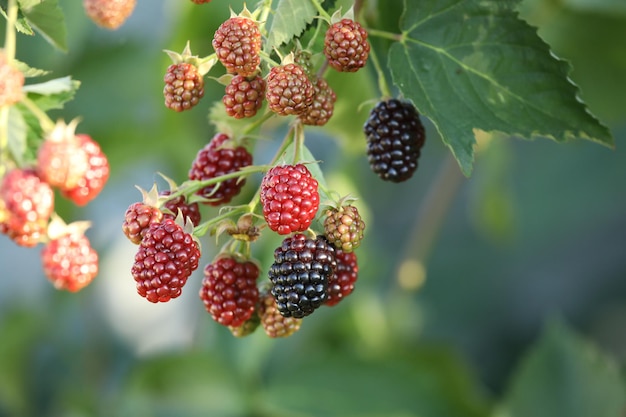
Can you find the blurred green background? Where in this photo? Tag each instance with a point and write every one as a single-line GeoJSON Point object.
{"type": "Point", "coordinates": [475, 297]}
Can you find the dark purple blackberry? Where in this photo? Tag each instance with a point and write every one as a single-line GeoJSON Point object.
{"type": "Point", "coordinates": [300, 274]}
{"type": "Point", "coordinates": [395, 136]}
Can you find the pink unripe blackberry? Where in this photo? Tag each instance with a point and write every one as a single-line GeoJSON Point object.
{"type": "Point", "coordinates": [237, 43]}
{"type": "Point", "coordinates": [184, 86]}
{"type": "Point", "coordinates": [289, 90]}
{"type": "Point", "coordinates": [345, 46]}
{"type": "Point", "coordinates": [243, 97]}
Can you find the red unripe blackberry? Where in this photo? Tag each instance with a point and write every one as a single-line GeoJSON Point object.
{"type": "Point", "coordinates": [166, 257]}
{"type": "Point", "coordinates": [26, 203]}
{"type": "Point", "coordinates": [189, 211]}
{"type": "Point", "coordinates": [109, 14]}
{"type": "Point", "coordinates": [229, 290]}
{"type": "Point", "coordinates": [243, 97]}
{"type": "Point", "coordinates": [184, 86]}
{"type": "Point", "coordinates": [341, 284]}
{"type": "Point", "coordinates": [289, 90]}
{"type": "Point", "coordinates": [138, 218]}
{"type": "Point", "coordinates": [220, 157]}
{"type": "Point", "coordinates": [96, 176]}
{"type": "Point", "coordinates": [290, 198]}
{"type": "Point", "coordinates": [344, 227]}
{"type": "Point", "coordinates": [11, 82]}
{"type": "Point", "coordinates": [274, 323]}
{"type": "Point", "coordinates": [345, 46]}
{"type": "Point", "coordinates": [248, 327]}
{"type": "Point", "coordinates": [321, 110]}
{"type": "Point", "coordinates": [300, 274]}
{"type": "Point", "coordinates": [70, 262]}
{"type": "Point", "coordinates": [61, 159]}
{"type": "Point", "coordinates": [237, 43]}
{"type": "Point", "coordinates": [395, 136]}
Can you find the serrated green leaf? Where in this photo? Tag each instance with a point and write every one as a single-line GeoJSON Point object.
{"type": "Point", "coordinates": [47, 18]}
{"type": "Point", "coordinates": [58, 85]}
{"type": "Point", "coordinates": [471, 65]}
{"type": "Point", "coordinates": [290, 20]}
{"type": "Point", "coordinates": [565, 376]}
{"type": "Point", "coordinates": [17, 135]}
{"type": "Point", "coordinates": [52, 94]}
{"type": "Point", "coordinates": [28, 71]}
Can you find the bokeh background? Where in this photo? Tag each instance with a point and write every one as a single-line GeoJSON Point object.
{"type": "Point", "coordinates": [458, 276]}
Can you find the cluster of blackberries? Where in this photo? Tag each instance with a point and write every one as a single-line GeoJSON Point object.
{"type": "Point", "coordinates": [309, 269]}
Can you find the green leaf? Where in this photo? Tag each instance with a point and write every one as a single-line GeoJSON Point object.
{"type": "Point", "coordinates": [47, 18]}
{"type": "Point", "coordinates": [565, 376]}
{"type": "Point", "coordinates": [28, 71]}
{"type": "Point", "coordinates": [610, 7]}
{"type": "Point", "coordinates": [471, 66]}
{"type": "Point", "coordinates": [17, 135]}
{"type": "Point", "coordinates": [290, 19]}
{"type": "Point", "coordinates": [52, 94]}
{"type": "Point", "coordinates": [431, 383]}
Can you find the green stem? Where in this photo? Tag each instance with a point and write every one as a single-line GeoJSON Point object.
{"type": "Point", "coordinates": [384, 34]}
{"type": "Point", "coordinates": [44, 120]}
{"type": "Point", "coordinates": [9, 52]}
{"type": "Point", "coordinates": [191, 187]}
{"type": "Point", "coordinates": [298, 154]}
{"type": "Point", "coordinates": [9, 40]}
{"type": "Point", "coordinates": [321, 10]}
{"type": "Point", "coordinates": [430, 216]}
{"type": "Point", "coordinates": [202, 228]}
{"type": "Point", "coordinates": [253, 126]}
{"type": "Point", "coordinates": [382, 81]}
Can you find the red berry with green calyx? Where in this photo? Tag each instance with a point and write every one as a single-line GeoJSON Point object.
{"type": "Point", "coordinates": [289, 90]}
{"type": "Point", "coordinates": [237, 43]}
{"type": "Point", "coordinates": [166, 258]}
{"type": "Point", "coordinates": [184, 86]}
{"type": "Point", "coordinates": [70, 262]}
{"type": "Point", "coordinates": [346, 46]}
{"type": "Point", "coordinates": [290, 198]}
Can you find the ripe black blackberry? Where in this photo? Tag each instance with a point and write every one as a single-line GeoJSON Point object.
{"type": "Point", "coordinates": [300, 274]}
{"type": "Point", "coordinates": [395, 136]}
